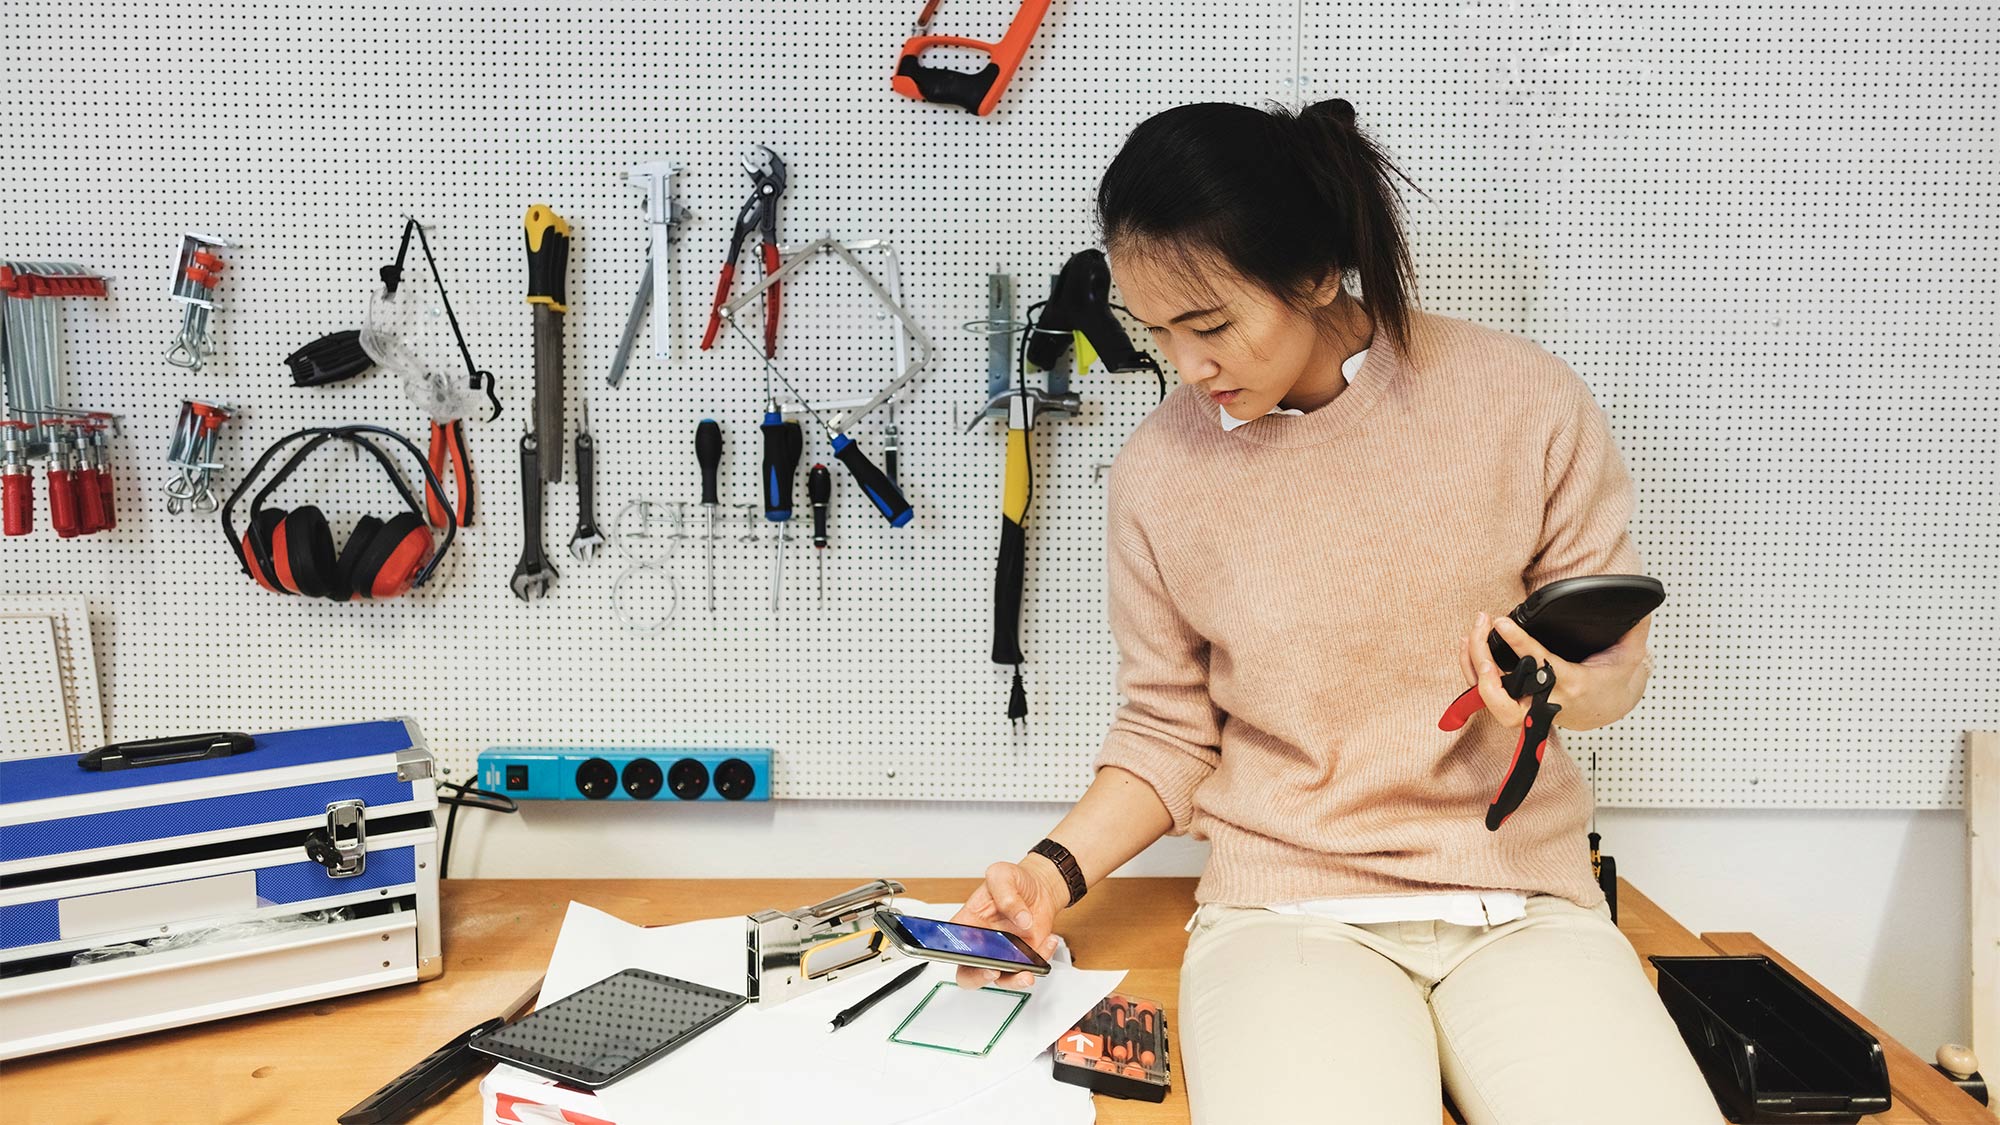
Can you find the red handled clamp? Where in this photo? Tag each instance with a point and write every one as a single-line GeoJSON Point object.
{"type": "Point", "coordinates": [17, 487]}
{"type": "Point", "coordinates": [105, 511]}
{"type": "Point", "coordinates": [980, 90]}
{"type": "Point", "coordinates": [759, 213]}
{"type": "Point", "coordinates": [1528, 678]}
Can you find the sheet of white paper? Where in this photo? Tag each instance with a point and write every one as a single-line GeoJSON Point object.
{"type": "Point", "coordinates": [1028, 1094]}
{"type": "Point", "coordinates": [761, 1065]}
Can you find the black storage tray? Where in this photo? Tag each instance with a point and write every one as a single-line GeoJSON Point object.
{"type": "Point", "coordinates": [1773, 1050]}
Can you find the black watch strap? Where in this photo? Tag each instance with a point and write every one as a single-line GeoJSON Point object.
{"type": "Point", "coordinates": [1066, 863]}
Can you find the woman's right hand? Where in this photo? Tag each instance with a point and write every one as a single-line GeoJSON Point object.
{"type": "Point", "coordinates": [1013, 899]}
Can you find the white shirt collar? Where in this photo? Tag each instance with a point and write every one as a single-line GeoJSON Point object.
{"type": "Point", "coordinates": [1349, 367]}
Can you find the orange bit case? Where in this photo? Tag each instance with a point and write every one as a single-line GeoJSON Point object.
{"type": "Point", "coordinates": [1118, 1048]}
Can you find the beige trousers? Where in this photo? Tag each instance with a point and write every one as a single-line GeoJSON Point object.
{"type": "Point", "coordinates": [1545, 1020]}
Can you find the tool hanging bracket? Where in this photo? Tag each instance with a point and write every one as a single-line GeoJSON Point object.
{"type": "Point", "coordinates": [881, 491]}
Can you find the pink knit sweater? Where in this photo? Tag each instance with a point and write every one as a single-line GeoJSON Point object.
{"type": "Point", "coordinates": [1287, 600]}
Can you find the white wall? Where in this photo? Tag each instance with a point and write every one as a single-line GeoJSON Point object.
{"type": "Point", "coordinates": [1873, 904]}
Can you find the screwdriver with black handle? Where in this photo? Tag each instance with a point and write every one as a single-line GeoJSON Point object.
{"type": "Point", "coordinates": [784, 442]}
{"type": "Point", "coordinates": [819, 488]}
{"type": "Point", "coordinates": [708, 450]}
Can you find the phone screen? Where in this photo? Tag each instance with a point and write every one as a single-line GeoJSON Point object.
{"type": "Point", "coordinates": [972, 941]}
{"type": "Point", "coordinates": [595, 1035]}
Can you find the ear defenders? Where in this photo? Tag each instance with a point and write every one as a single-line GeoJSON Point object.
{"type": "Point", "coordinates": [292, 552]}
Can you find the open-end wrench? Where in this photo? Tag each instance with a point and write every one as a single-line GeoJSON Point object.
{"type": "Point", "coordinates": [584, 544]}
{"type": "Point", "coordinates": [533, 576]}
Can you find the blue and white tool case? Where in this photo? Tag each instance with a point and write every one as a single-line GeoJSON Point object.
{"type": "Point", "coordinates": [168, 894]}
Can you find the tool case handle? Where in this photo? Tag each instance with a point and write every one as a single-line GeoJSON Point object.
{"type": "Point", "coordinates": [163, 751]}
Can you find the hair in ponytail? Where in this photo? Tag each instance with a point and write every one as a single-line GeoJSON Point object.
{"type": "Point", "coordinates": [1286, 200]}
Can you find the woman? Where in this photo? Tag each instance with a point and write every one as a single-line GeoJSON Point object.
{"type": "Point", "coordinates": [1308, 542]}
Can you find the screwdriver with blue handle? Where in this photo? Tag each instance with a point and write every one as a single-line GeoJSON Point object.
{"type": "Point", "coordinates": [784, 442]}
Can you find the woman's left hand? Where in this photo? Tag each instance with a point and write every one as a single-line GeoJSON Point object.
{"type": "Point", "coordinates": [1601, 690]}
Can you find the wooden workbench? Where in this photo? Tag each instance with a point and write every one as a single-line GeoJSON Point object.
{"type": "Point", "coordinates": [312, 1062]}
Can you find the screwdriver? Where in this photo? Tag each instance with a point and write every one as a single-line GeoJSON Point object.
{"type": "Point", "coordinates": [819, 486]}
{"type": "Point", "coordinates": [708, 450]}
{"type": "Point", "coordinates": [783, 443]}
{"type": "Point", "coordinates": [890, 433]}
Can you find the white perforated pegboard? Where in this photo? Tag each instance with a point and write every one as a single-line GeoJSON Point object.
{"type": "Point", "coordinates": [31, 688]}
{"type": "Point", "coordinates": [1766, 239]}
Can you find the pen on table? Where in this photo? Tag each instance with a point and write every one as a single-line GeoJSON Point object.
{"type": "Point", "coordinates": [876, 997]}
{"type": "Point", "coordinates": [437, 1073]}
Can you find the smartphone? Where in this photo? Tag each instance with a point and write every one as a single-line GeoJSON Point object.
{"type": "Point", "coordinates": [604, 1031]}
{"type": "Point", "coordinates": [1579, 617]}
{"type": "Point", "coordinates": [960, 944]}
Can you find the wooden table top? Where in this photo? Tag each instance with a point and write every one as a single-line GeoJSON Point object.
{"type": "Point", "coordinates": [314, 1061]}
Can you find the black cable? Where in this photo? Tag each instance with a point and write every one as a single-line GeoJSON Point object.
{"type": "Point", "coordinates": [1159, 372]}
{"type": "Point", "coordinates": [1017, 695]}
{"type": "Point", "coordinates": [392, 276]}
{"type": "Point", "coordinates": [464, 794]}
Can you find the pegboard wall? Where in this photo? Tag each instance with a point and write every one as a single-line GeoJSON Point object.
{"type": "Point", "coordinates": [1766, 236]}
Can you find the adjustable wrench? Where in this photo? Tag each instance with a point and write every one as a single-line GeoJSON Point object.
{"type": "Point", "coordinates": [533, 575]}
{"type": "Point", "coordinates": [583, 545]}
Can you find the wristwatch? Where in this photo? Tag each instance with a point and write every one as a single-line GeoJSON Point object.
{"type": "Point", "coordinates": [1066, 863]}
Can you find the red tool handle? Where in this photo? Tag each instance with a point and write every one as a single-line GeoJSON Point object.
{"type": "Point", "coordinates": [90, 501]}
{"type": "Point", "coordinates": [715, 310]}
{"type": "Point", "coordinates": [17, 500]}
{"type": "Point", "coordinates": [107, 502]}
{"type": "Point", "coordinates": [98, 457]}
{"type": "Point", "coordinates": [433, 503]}
{"type": "Point", "coordinates": [771, 264]}
{"type": "Point", "coordinates": [63, 513]}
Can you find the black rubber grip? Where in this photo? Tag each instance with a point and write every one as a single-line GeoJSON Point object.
{"type": "Point", "coordinates": [547, 238]}
{"type": "Point", "coordinates": [1527, 763]}
{"type": "Point", "coordinates": [819, 489]}
{"type": "Point", "coordinates": [882, 492]}
{"type": "Point", "coordinates": [784, 443]}
{"type": "Point", "coordinates": [1008, 577]}
{"type": "Point", "coordinates": [950, 87]}
{"type": "Point", "coordinates": [708, 450]}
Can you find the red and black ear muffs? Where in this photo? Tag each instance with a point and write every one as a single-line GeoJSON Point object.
{"type": "Point", "coordinates": [291, 552]}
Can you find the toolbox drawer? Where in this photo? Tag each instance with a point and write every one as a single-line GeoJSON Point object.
{"type": "Point", "coordinates": [87, 1003]}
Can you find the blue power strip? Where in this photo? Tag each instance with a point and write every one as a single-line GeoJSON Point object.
{"type": "Point", "coordinates": [630, 773]}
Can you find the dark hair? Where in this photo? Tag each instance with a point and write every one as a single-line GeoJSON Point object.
{"type": "Point", "coordinates": [1285, 199]}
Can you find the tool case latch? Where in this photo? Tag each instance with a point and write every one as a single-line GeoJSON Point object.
{"type": "Point", "coordinates": [414, 764]}
{"type": "Point", "coordinates": [343, 847]}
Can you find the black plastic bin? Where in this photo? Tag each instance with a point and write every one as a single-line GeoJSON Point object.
{"type": "Point", "coordinates": [1772, 1049]}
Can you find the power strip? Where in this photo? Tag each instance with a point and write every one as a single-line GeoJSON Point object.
{"type": "Point", "coordinates": [632, 773]}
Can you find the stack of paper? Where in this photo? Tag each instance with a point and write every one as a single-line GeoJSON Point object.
{"type": "Point", "coordinates": [782, 1063]}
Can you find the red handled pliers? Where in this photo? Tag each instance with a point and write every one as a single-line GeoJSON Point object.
{"type": "Point", "coordinates": [1529, 677]}
{"type": "Point", "coordinates": [759, 213]}
{"type": "Point", "coordinates": [448, 442]}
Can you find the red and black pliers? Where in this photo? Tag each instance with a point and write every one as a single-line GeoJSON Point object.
{"type": "Point", "coordinates": [759, 213]}
{"type": "Point", "coordinates": [1529, 677]}
{"type": "Point", "coordinates": [448, 442]}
